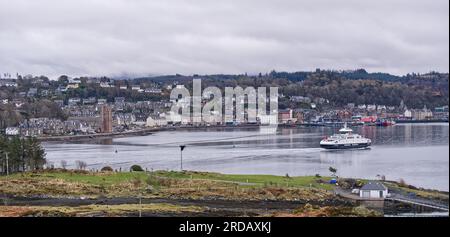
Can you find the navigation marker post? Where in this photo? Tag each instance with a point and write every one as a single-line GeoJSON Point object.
{"type": "Point", "coordinates": [181, 160]}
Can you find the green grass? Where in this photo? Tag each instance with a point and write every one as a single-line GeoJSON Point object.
{"type": "Point", "coordinates": [252, 180]}
{"type": "Point", "coordinates": [120, 177]}
{"type": "Point", "coordinates": [96, 179]}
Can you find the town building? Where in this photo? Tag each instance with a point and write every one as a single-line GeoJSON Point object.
{"type": "Point", "coordinates": [12, 131]}
{"type": "Point", "coordinates": [8, 83]}
{"type": "Point", "coordinates": [32, 92]}
{"type": "Point", "coordinates": [373, 190]}
{"type": "Point", "coordinates": [106, 116]}
{"type": "Point", "coordinates": [285, 116]}
{"type": "Point", "coordinates": [72, 86]}
{"type": "Point", "coordinates": [74, 101]}
{"type": "Point", "coordinates": [102, 101]}
{"type": "Point", "coordinates": [89, 101]}
{"type": "Point", "coordinates": [156, 122]}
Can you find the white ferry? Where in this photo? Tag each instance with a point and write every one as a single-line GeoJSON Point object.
{"type": "Point", "coordinates": [345, 139]}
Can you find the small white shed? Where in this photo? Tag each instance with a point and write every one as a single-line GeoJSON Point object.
{"type": "Point", "coordinates": [373, 190]}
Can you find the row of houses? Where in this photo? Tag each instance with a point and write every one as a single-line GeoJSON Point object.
{"type": "Point", "coordinates": [36, 127]}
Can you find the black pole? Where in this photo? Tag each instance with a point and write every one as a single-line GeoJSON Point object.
{"type": "Point", "coordinates": [181, 160]}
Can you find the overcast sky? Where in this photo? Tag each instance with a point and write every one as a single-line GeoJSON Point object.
{"type": "Point", "coordinates": [143, 37]}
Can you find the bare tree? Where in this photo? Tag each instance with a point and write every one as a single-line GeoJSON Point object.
{"type": "Point", "coordinates": [80, 165]}
{"type": "Point", "coordinates": [63, 164]}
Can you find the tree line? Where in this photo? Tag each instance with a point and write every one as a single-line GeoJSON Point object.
{"type": "Point", "coordinates": [18, 154]}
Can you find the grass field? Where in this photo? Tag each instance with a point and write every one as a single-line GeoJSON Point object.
{"type": "Point", "coordinates": [186, 184]}
{"type": "Point", "coordinates": [100, 178]}
{"type": "Point", "coordinates": [253, 180]}
{"type": "Point", "coordinates": [110, 178]}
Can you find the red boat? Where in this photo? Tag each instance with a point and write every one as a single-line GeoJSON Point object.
{"type": "Point", "coordinates": [385, 123]}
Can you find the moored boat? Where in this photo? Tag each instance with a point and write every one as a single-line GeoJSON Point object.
{"type": "Point", "coordinates": [385, 123]}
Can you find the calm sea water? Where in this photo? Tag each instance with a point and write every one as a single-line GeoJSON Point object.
{"type": "Point", "coordinates": [416, 153]}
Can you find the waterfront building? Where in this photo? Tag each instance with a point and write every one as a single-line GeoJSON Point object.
{"type": "Point", "coordinates": [106, 116]}
{"type": "Point", "coordinates": [285, 116]}
{"type": "Point", "coordinates": [156, 122]}
{"type": "Point", "coordinates": [267, 119]}
{"type": "Point", "coordinates": [407, 114]}
{"type": "Point", "coordinates": [373, 190]}
{"type": "Point", "coordinates": [422, 114]}
{"type": "Point", "coordinates": [125, 118]}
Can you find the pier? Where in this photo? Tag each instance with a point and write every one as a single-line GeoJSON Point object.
{"type": "Point", "coordinates": [419, 203]}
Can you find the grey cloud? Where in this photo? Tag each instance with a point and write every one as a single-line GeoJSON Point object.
{"type": "Point", "coordinates": [111, 37]}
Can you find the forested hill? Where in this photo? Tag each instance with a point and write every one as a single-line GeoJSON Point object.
{"type": "Point", "coordinates": [339, 87]}
{"type": "Point", "coordinates": [359, 74]}
{"type": "Point", "coordinates": [362, 74]}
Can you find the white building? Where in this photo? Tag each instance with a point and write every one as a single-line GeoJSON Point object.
{"type": "Point", "coordinates": [74, 80]}
{"type": "Point", "coordinates": [12, 131]}
{"type": "Point", "coordinates": [105, 85]}
{"type": "Point", "coordinates": [373, 190]}
{"type": "Point", "coordinates": [371, 107]}
{"type": "Point", "coordinates": [8, 82]}
{"type": "Point", "coordinates": [102, 101]}
{"type": "Point", "coordinates": [268, 119]}
{"type": "Point", "coordinates": [408, 113]}
{"type": "Point", "coordinates": [151, 122]}
{"type": "Point", "coordinates": [362, 106]}
{"type": "Point", "coordinates": [172, 117]}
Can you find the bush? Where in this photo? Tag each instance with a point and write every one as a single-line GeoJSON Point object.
{"type": "Point", "coordinates": [402, 183]}
{"type": "Point", "coordinates": [107, 169]}
{"type": "Point", "coordinates": [136, 168]}
{"type": "Point", "coordinates": [347, 183]}
{"type": "Point", "coordinates": [153, 181]}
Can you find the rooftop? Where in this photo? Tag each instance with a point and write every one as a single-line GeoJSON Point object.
{"type": "Point", "coordinates": [374, 186]}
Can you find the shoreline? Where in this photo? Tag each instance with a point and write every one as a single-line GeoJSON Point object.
{"type": "Point", "coordinates": [149, 131]}
{"type": "Point", "coordinates": [142, 132]}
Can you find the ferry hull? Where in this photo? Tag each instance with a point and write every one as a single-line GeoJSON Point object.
{"type": "Point", "coordinates": [345, 146]}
